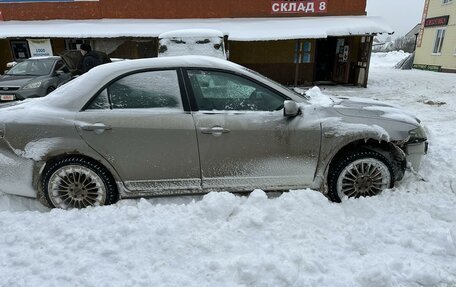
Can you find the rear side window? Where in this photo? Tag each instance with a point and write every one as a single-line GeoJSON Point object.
{"type": "Point", "coordinates": [145, 90]}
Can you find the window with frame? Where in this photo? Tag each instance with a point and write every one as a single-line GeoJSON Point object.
{"type": "Point", "coordinates": [60, 65]}
{"type": "Point", "coordinates": [144, 90]}
{"type": "Point", "coordinates": [214, 90]}
{"type": "Point", "coordinates": [438, 43]}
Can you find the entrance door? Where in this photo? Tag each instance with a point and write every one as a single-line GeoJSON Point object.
{"type": "Point", "coordinates": [245, 142]}
{"type": "Point", "coordinates": [325, 59]}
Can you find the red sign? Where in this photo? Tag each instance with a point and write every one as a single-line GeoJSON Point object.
{"type": "Point", "coordinates": [437, 21]}
{"type": "Point", "coordinates": [299, 7]}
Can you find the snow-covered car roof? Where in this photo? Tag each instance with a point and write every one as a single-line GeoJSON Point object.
{"type": "Point", "coordinates": [44, 58]}
{"type": "Point", "coordinates": [76, 93]}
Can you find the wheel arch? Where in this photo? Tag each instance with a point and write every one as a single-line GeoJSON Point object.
{"type": "Point", "coordinates": [389, 149]}
{"type": "Point", "coordinates": [40, 167]}
{"type": "Point", "coordinates": [102, 172]}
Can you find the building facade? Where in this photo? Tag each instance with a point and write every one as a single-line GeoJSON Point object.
{"type": "Point", "coordinates": [436, 43]}
{"type": "Point", "coordinates": [296, 42]}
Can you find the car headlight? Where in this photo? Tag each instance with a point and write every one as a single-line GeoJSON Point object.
{"type": "Point", "coordinates": [417, 135]}
{"type": "Point", "coordinates": [32, 85]}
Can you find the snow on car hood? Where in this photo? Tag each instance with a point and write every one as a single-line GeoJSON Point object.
{"type": "Point", "coordinates": [367, 108]}
{"type": "Point", "coordinates": [360, 107]}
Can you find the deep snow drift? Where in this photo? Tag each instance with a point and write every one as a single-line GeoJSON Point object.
{"type": "Point", "coordinates": [404, 237]}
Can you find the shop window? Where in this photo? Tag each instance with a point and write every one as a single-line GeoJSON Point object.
{"type": "Point", "coordinates": [20, 49]}
{"type": "Point", "coordinates": [303, 51]}
{"type": "Point", "coordinates": [438, 43]}
{"type": "Point", "coordinates": [74, 44]}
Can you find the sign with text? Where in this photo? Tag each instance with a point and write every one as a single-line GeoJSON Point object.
{"type": "Point", "coordinates": [31, 1]}
{"type": "Point", "coordinates": [299, 7]}
{"type": "Point", "coordinates": [437, 21]}
{"type": "Point", "coordinates": [40, 47]}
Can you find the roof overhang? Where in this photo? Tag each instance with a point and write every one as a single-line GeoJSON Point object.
{"type": "Point", "coordinates": [238, 29]}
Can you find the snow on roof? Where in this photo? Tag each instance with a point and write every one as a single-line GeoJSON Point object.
{"type": "Point", "coordinates": [191, 33]}
{"type": "Point", "coordinates": [238, 29]}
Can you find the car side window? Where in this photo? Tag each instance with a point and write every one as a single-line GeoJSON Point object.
{"type": "Point", "coordinates": [60, 65]}
{"type": "Point", "coordinates": [145, 90]}
{"type": "Point", "coordinates": [214, 90]}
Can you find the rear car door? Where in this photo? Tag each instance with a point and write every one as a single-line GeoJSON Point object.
{"type": "Point", "coordinates": [139, 125]}
{"type": "Point", "coordinates": [245, 142]}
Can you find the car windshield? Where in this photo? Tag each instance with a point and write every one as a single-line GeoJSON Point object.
{"type": "Point", "coordinates": [39, 67]}
{"type": "Point", "coordinates": [302, 95]}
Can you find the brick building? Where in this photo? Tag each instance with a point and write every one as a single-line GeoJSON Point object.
{"type": "Point", "coordinates": [291, 41]}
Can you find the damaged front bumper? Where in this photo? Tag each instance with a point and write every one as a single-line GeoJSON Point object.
{"type": "Point", "coordinates": [414, 153]}
{"type": "Point", "coordinates": [416, 147]}
{"type": "Point", "coordinates": [16, 173]}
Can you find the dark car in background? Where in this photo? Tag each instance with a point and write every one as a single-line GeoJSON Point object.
{"type": "Point", "coordinates": [34, 77]}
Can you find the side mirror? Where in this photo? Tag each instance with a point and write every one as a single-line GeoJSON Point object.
{"type": "Point", "coordinates": [59, 72]}
{"type": "Point", "coordinates": [290, 109]}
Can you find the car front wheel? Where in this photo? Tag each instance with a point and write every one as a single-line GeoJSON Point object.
{"type": "Point", "coordinates": [77, 182]}
{"type": "Point", "coordinates": [358, 174]}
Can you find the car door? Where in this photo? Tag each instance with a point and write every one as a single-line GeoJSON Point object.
{"type": "Point", "coordinates": [61, 73]}
{"type": "Point", "coordinates": [245, 142]}
{"type": "Point", "coordinates": [139, 125]}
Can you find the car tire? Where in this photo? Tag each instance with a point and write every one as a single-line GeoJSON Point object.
{"type": "Point", "coordinates": [77, 182]}
{"type": "Point", "coordinates": [359, 173]}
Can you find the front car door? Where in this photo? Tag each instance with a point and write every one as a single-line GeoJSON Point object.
{"type": "Point", "coordinates": [61, 73]}
{"type": "Point", "coordinates": [139, 125]}
{"type": "Point", "coordinates": [245, 142]}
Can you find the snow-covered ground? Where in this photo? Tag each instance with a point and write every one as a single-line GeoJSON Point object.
{"type": "Point", "coordinates": [404, 237]}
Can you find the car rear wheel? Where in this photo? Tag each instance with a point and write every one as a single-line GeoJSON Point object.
{"type": "Point", "coordinates": [359, 174]}
{"type": "Point", "coordinates": [77, 182]}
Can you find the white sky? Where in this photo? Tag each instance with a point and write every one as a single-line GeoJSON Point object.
{"type": "Point", "coordinates": [401, 15]}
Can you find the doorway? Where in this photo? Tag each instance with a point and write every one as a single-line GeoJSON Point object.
{"type": "Point", "coordinates": [325, 59]}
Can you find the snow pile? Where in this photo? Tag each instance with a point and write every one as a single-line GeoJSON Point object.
{"type": "Point", "coordinates": [387, 59]}
{"type": "Point", "coordinates": [238, 29]}
{"type": "Point", "coordinates": [205, 42]}
{"type": "Point", "coordinates": [298, 239]}
{"type": "Point", "coordinates": [318, 98]}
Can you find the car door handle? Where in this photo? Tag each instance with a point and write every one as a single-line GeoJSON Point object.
{"type": "Point", "coordinates": [98, 128]}
{"type": "Point", "coordinates": [216, 131]}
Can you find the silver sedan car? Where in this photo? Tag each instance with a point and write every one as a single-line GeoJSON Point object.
{"type": "Point", "coordinates": [191, 125]}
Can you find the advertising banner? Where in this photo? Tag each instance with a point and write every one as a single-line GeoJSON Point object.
{"type": "Point", "coordinates": [40, 47]}
{"type": "Point", "coordinates": [299, 7]}
{"type": "Point", "coordinates": [437, 21]}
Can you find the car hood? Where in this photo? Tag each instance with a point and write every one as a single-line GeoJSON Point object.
{"type": "Point", "coordinates": [367, 108]}
{"type": "Point", "coordinates": [15, 81]}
